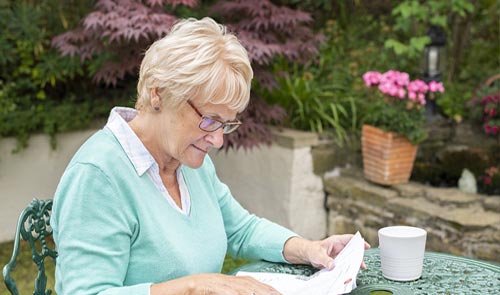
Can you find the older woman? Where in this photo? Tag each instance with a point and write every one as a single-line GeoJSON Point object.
{"type": "Point", "coordinates": [140, 210]}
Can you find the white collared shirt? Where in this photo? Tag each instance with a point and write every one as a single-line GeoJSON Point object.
{"type": "Point", "coordinates": [140, 157]}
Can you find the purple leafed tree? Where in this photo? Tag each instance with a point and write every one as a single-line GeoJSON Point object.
{"type": "Point", "coordinates": [267, 31]}
{"type": "Point", "coordinates": [117, 32]}
{"type": "Point", "coordinates": [120, 30]}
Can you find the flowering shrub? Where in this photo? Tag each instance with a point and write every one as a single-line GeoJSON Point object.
{"type": "Point", "coordinates": [486, 108]}
{"type": "Point", "coordinates": [398, 106]}
{"type": "Point", "coordinates": [489, 182]}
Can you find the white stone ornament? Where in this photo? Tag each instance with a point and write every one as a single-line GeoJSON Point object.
{"type": "Point", "coordinates": [467, 182]}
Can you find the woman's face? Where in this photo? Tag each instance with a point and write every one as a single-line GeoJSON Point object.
{"type": "Point", "coordinates": [183, 140]}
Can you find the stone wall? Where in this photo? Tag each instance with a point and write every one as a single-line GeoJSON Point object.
{"type": "Point", "coordinates": [32, 173]}
{"type": "Point", "coordinates": [456, 222]}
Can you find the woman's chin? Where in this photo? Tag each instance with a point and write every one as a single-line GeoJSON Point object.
{"type": "Point", "coordinates": [195, 162]}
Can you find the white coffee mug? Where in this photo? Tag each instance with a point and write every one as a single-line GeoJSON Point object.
{"type": "Point", "coordinates": [402, 251]}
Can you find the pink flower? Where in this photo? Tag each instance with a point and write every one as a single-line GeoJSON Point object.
{"type": "Point", "coordinates": [393, 90]}
{"type": "Point", "coordinates": [418, 86]}
{"type": "Point", "coordinates": [487, 128]}
{"type": "Point", "coordinates": [404, 79]}
{"type": "Point", "coordinates": [397, 84]}
{"type": "Point", "coordinates": [494, 129]}
{"type": "Point", "coordinates": [492, 170]}
{"type": "Point", "coordinates": [421, 98]}
{"type": "Point", "coordinates": [487, 180]}
{"type": "Point", "coordinates": [436, 86]}
{"type": "Point", "coordinates": [371, 78]}
{"type": "Point", "coordinates": [401, 93]}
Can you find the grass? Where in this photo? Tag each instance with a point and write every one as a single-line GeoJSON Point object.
{"type": "Point", "coordinates": [25, 271]}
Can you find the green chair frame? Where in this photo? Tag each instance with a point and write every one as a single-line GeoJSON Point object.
{"type": "Point", "coordinates": [34, 227]}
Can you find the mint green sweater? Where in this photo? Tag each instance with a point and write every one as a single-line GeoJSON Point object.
{"type": "Point", "coordinates": [116, 233]}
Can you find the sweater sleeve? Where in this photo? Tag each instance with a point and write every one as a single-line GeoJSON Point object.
{"type": "Point", "coordinates": [93, 233]}
{"type": "Point", "coordinates": [248, 236]}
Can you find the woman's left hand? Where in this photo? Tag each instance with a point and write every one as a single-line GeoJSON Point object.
{"type": "Point", "coordinates": [319, 254]}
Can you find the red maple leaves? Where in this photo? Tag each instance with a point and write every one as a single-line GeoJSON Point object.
{"type": "Point", "coordinates": [120, 30]}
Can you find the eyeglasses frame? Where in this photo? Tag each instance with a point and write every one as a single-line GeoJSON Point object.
{"type": "Point", "coordinates": [222, 124]}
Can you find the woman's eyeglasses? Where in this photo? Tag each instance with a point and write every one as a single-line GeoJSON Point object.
{"type": "Point", "coordinates": [210, 124]}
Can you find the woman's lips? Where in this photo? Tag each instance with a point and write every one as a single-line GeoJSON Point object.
{"type": "Point", "coordinates": [200, 149]}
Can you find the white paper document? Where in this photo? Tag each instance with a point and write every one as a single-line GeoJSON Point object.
{"type": "Point", "coordinates": [340, 280]}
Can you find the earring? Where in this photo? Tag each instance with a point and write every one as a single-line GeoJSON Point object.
{"type": "Point", "coordinates": [157, 108]}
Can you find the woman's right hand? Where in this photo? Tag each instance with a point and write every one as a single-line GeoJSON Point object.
{"type": "Point", "coordinates": [213, 284]}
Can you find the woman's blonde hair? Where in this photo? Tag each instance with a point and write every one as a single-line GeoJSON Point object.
{"type": "Point", "coordinates": [198, 58]}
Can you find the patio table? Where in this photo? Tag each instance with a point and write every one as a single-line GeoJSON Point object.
{"type": "Point", "coordinates": [442, 274]}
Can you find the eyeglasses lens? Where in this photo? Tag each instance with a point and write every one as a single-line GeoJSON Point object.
{"type": "Point", "coordinates": [230, 128]}
{"type": "Point", "coordinates": [209, 124]}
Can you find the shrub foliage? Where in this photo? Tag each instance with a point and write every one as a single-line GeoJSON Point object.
{"type": "Point", "coordinates": [49, 89]}
{"type": "Point", "coordinates": [39, 89]}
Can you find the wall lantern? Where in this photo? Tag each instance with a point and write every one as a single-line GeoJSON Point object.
{"type": "Point", "coordinates": [433, 61]}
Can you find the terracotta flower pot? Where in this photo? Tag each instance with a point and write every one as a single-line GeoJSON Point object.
{"type": "Point", "coordinates": [387, 157]}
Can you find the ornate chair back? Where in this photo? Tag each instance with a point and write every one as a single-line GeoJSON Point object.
{"type": "Point", "coordinates": [34, 227]}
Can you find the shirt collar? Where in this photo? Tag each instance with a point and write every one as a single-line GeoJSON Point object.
{"type": "Point", "coordinates": [131, 144]}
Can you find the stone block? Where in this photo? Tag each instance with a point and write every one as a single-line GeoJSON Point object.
{"type": "Point", "coordinates": [418, 208]}
{"type": "Point", "coordinates": [358, 189]}
{"type": "Point", "coordinates": [373, 221]}
{"type": "Point", "coordinates": [450, 196]}
{"type": "Point", "coordinates": [410, 190]}
{"type": "Point", "coordinates": [339, 187]}
{"type": "Point", "coordinates": [442, 153]}
{"type": "Point", "coordinates": [352, 172]}
{"type": "Point", "coordinates": [327, 155]}
{"type": "Point", "coordinates": [293, 139]}
{"type": "Point", "coordinates": [489, 252]}
{"type": "Point", "coordinates": [427, 151]}
{"type": "Point", "coordinates": [370, 235]}
{"type": "Point", "coordinates": [324, 158]}
{"type": "Point", "coordinates": [470, 135]}
{"type": "Point", "coordinates": [491, 203]}
{"type": "Point", "coordinates": [471, 218]}
{"type": "Point", "coordinates": [373, 194]}
{"type": "Point", "coordinates": [439, 130]}
{"type": "Point", "coordinates": [436, 243]}
{"type": "Point", "coordinates": [340, 225]}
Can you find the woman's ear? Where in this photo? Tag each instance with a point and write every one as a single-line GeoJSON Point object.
{"type": "Point", "coordinates": [155, 99]}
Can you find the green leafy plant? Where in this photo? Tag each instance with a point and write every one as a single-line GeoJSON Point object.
{"type": "Point", "coordinates": [398, 106]}
{"type": "Point", "coordinates": [452, 104]}
{"type": "Point", "coordinates": [412, 18]}
{"type": "Point", "coordinates": [311, 103]}
{"type": "Point", "coordinates": [40, 91]}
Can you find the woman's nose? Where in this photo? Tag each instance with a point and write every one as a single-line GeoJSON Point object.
{"type": "Point", "coordinates": [216, 138]}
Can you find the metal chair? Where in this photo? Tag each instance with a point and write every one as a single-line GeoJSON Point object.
{"type": "Point", "coordinates": [34, 227]}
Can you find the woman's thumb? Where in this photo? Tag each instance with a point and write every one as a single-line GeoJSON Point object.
{"type": "Point", "coordinates": [330, 264]}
